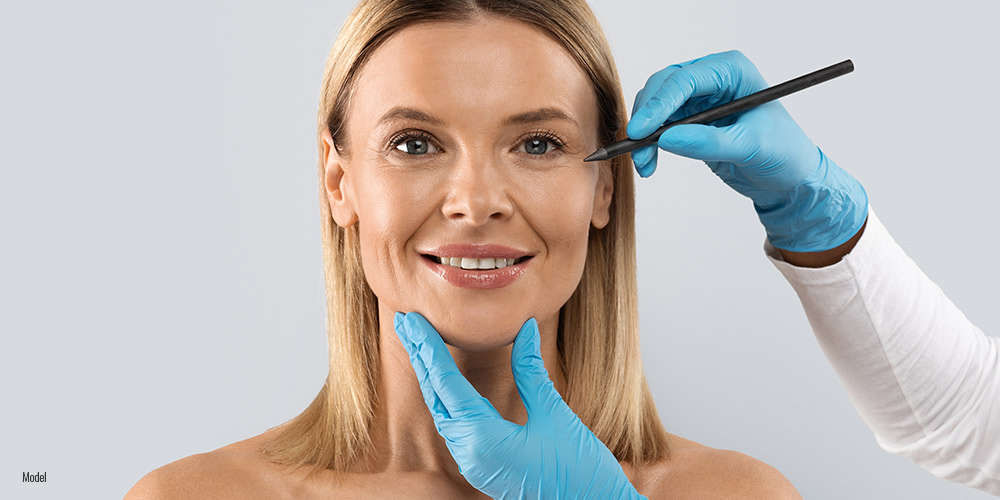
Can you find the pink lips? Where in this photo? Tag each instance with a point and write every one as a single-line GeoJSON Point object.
{"type": "Point", "coordinates": [478, 279]}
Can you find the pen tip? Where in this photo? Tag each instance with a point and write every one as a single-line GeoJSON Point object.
{"type": "Point", "coordinates": [600, 154]}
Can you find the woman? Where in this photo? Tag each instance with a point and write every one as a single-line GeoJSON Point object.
{"type": "Point", "coordinates": [452, 135]}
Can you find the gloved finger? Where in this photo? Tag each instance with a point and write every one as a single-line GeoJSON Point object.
{"type": "Point", "coordinates": [456, 393]}
{"type": "Point", "coordinates": [654, 82]}
{"type": "Point", "coordinates": [643, 155]}
{"type": "Point", "coordinates": [644, 159]}
{"type": "Point", "coordinates": [648, 168]}
{"type": "Point", "coordinates": [434, 404]}
{"type": "Point", "coordinates": [696, 80]}
{"type": "Point", "coordinates": [532, 379]}
{"type": "Point", "coordinates": [708, 143]}
{"type": "Point", "coordinates": [716, 78]}
{"type": "Point", "coordinates": [638, 99]}
{"type": "Point", "coordinates": [642, 96]}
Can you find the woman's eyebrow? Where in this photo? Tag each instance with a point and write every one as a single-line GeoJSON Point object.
{"type": "Point", "coordinates": [540, 115]}
{"type": "Point", "coordinates": [537, 115]}
{"type": "Point", "coordinates": [404, 113]}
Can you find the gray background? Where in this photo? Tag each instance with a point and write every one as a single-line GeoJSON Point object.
{"type": "Point", "coordinates": [160, 272]}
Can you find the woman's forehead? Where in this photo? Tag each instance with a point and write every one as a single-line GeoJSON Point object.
{"type": "Point", "coordinates": [485, 70]}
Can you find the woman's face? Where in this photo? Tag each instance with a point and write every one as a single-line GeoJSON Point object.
{"type": "Point", "coordinates": [466, 141]}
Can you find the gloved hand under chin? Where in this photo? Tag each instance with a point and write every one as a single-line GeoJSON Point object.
{"type": "Point", "coordinates": [552, 456]}
{"type": "Point", "coordinates": [805, 201]}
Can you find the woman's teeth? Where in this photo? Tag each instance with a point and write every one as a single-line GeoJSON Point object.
{"type": "Point", "coordinates": [472, 263]}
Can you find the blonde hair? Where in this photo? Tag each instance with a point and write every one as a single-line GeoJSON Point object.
{"type": "Point", "coordinates": [598, 337]}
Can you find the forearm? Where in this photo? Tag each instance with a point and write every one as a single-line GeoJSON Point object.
{"type": "Point", "coordinates": [923, 377]}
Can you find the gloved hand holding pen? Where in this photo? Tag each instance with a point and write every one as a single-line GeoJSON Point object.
{"type": "Point", "coordinates": [554, 455]}
{"type": "Point", "coordinates": [804, 200]}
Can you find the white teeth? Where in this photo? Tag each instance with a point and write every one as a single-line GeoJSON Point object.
{"type": "Point", "coordinates": [473, 263]}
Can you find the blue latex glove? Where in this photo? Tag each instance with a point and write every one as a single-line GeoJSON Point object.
{"type": "Point", "coordinates": [805, 201]}
{"type": "Point", "coordinates": [552, 456]}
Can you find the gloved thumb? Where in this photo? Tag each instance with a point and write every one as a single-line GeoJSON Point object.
{"type": "Point", "coordinates": [707, 143]}
{"type": "Point", "coordinates": [530, 375]}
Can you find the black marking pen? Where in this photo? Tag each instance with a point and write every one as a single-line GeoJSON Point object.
{"type": "Point", "coordinates": [730, 108]}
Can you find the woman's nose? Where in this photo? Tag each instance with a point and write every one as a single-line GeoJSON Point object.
{"type": "Point", "coordinates": [478, 191]}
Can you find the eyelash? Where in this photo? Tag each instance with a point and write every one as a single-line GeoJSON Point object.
{"type": "Point", "coordinates": [546, 135]}
{"type": "Point", "coordinates": [406, 135]}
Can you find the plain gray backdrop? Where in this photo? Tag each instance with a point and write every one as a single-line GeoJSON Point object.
{"type": "Point", "coordinates": [160, 261]}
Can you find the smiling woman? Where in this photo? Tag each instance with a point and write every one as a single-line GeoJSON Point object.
{"type": "Point", "coordinates": [452, 183]}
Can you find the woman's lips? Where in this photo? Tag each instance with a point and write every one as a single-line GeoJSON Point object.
{"type": "Point", "coordinates": [477, 278]}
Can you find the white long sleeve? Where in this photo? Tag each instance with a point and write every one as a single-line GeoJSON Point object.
{"type": "Point", "coordinates": [924, 378]}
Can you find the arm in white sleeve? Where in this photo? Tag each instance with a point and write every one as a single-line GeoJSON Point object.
{"type": "Point", "coordinates": [924, 378]}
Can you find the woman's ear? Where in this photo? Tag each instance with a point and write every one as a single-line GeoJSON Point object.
{"type": "Point", "coordinates": [338, 192]}
{"type": "Point", "coordinates": [602, 195]}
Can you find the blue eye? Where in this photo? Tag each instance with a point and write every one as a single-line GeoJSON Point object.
{"type": "Point", "coordinates": [413, 147]}
{"type": "Point", "coordinates": [536, 146]}
{"type": "Point", "coordinates": [414, 144]}
{"type": "Point", "coordinates": [541, 144]}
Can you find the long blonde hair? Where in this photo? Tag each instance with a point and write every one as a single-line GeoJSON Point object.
{"type": "Point", "coordinates": [598, 337]}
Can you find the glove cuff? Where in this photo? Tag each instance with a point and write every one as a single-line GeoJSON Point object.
{"type": "Point", "coordinates": [820, 214]}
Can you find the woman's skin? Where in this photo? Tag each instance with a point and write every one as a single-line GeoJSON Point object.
{"type": "Point", "coordinates": [475, 92]}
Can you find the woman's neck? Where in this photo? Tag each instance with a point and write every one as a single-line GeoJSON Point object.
{"type": "Point", "coordinates": [404, 433]}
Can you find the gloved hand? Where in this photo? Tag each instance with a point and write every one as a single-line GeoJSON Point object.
{"type": "Point", "coordinates": [552, 456]}
{"type": "Point", "coordinates": [805, 201]}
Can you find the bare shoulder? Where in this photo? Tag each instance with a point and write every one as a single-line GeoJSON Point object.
{"type": "Point", "coordinates": [698, 471]}
{"type": "Point", "coordinates": [232, 471]}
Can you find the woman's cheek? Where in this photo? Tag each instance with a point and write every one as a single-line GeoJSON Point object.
{"type": "Point", "coordinates": [569, 199]}
{"type": "Point", "coordinates": [563, 219]}
{"type": "Point", "coordinates": [392, 199]}
{"type": "Point", "coordinates": [392, 210]}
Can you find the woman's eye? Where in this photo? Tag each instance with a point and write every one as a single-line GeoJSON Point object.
{"type": "Point", "coordinates": [536, 146]}
{"type": "Point", "coordinates": [539, 146]}
{"type": "Point", "coordinates": [416, 146]}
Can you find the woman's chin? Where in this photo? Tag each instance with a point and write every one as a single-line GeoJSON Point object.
{"type": "Point", "coordinates": [479, 328]}
{"type": "Point", "coordinates": [484, 342]}
{"type": "Point", "coordinates": [478, 333]}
